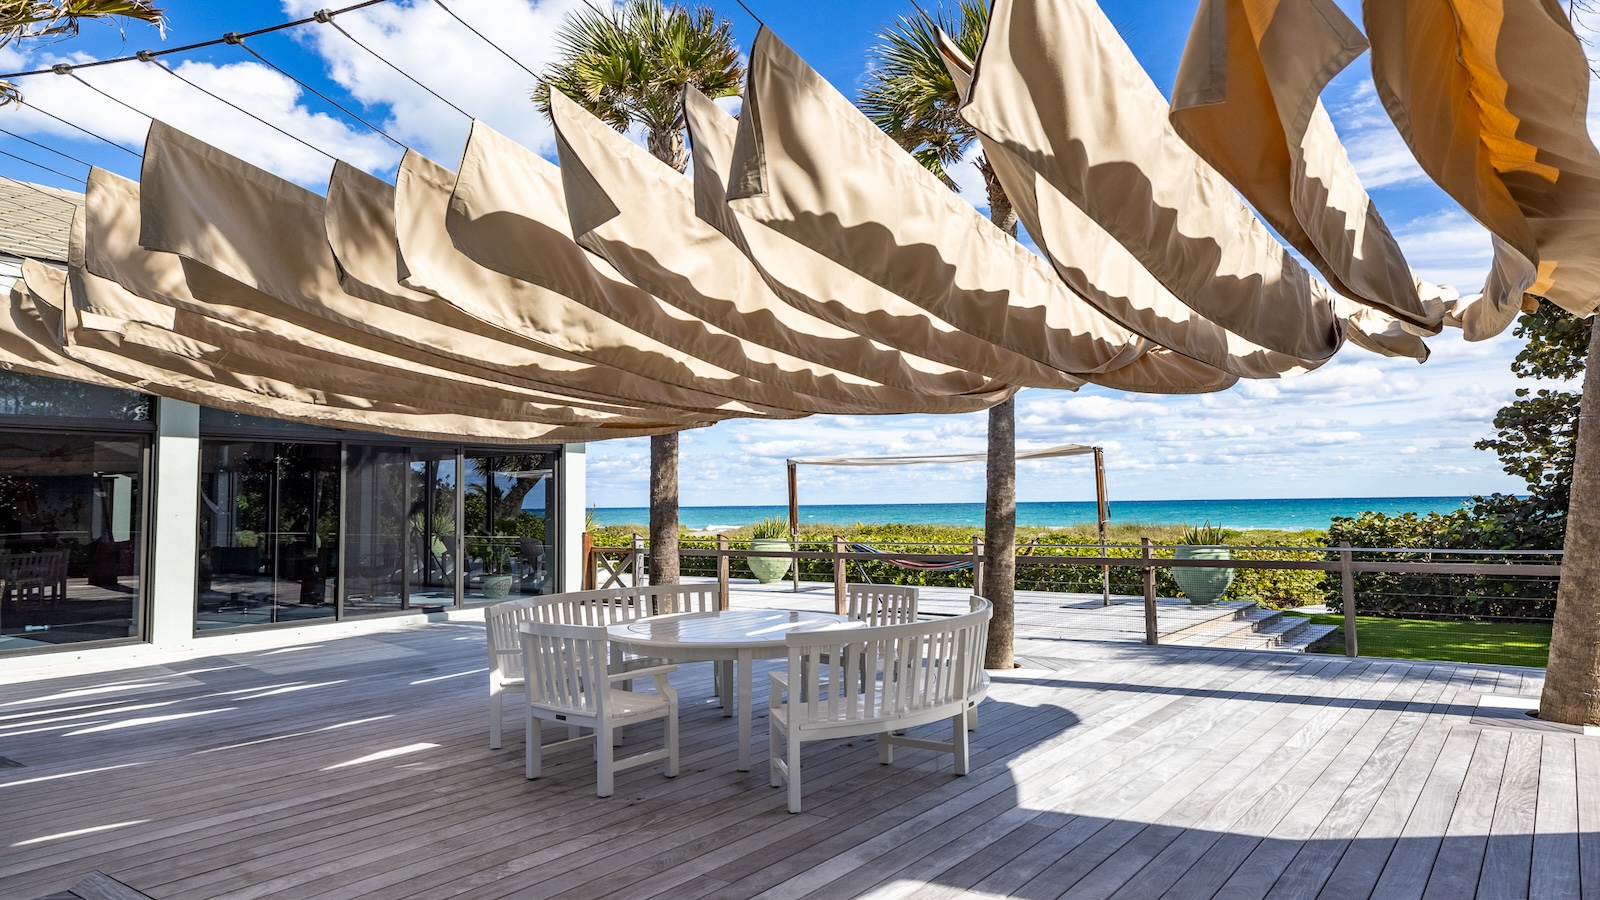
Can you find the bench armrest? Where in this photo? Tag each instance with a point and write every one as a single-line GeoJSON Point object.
{"type": "Point", "coordinates": [640, 673]}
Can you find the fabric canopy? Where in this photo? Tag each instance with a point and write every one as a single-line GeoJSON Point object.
{"type": "Point", "coordinates": [1057, 88]}
{"type": "Point", "coordinates": [1246, 100]}
{"type": "Point", "coordinates": [914, 459]}
{"type": "Point", "coordinates": [1492, 99]}
{"type": "Point", "coordinates": [818, 285]}
{"type": "Point", "coordinates": [638, 213]}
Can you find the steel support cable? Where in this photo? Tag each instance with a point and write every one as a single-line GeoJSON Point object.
{"type": "Point", "coordinates": [238, 41]}
{"type": "Point", "coordinates": [48, 149]}
{"type": "Point", "coordinates": [66, 70]}
{"type": "Point", "coordinates": [42, 111]}
{"type": "Point", "coordinates": [303, 142]}
{"type": "Point", "coordinates": [23, 159]}
{"type": "Point", "coordinates": [502, 51]}
{"type": "Point", "coordinates": [318, 17]}
{"type": "Point", "coordinates": [326, 18]}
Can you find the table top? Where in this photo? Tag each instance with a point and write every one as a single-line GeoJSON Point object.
{"type": "Point", "coordinates": [730, 628]}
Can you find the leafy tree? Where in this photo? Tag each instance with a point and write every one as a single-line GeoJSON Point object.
{"type": "Point", "coordinates": [629, 65]}
{"type": "Point", "coordinates": [911, 96]}
{"type": "Point", "coordinates": [21, 19]}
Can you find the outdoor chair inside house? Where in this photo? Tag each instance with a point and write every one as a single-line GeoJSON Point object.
{"type": "Point", "coordinates": [567, 681]}
{"type": "Point", "coordinates": [880, 681]}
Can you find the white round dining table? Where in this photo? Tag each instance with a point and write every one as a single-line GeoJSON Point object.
{"type": "Point", "coordinates": [740, 636]}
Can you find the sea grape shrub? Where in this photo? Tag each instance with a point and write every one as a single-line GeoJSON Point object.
{"type": "Point", "coordinates": [1436, 596]}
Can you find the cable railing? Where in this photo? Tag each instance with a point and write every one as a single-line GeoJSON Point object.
{"type": "Point", "coordinates": [1508, 588]}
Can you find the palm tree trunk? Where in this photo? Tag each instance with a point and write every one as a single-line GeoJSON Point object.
{"type": "Point", "coordinates": [1572, 683]}
{"type": "Point", "coordinates": [1000, 489]}
{"type": "Point", "coordinates": [1000, 534]}
{"type": "Point", "coordinates": [663, 509]}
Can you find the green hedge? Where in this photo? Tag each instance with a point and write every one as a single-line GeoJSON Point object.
{"type": "Point", "coordinates": [1438, 596]}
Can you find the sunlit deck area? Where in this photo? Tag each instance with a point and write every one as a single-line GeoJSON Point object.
{"type": "Point", "coordinates": [358, 767]}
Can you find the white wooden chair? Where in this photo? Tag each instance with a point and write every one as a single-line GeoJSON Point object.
{"type": "Point", "coordinates": [881, 604]}
{"type": "Point", "coordinates": [565, 670]}
{"type": "Point", "coordinates": [502, 620]}
{"type": "Point", "coordinates": [914, 674]}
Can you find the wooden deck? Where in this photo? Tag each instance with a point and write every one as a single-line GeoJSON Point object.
{"type": "Point", "coordinates": [358, 768]}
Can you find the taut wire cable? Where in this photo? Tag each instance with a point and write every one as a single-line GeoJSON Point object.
{"type": "Point", "coordinates": [64, 69]}
{"type": "Point", "coordinates": [24, 159]}
{"type": "Point", "coordinates": [48, 149]}
{"type": "Point", "coordinates": [42, 111]}
{"type": "Point", "coordinates": [238, 40]}
{"type": "Point", "coordinates": [170, 71]}
{"type": "Point", "coordinates": [326, 18]}
{"type": "Point", "coordinates": [516, 62]}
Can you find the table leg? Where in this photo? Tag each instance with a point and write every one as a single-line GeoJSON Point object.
{"type": "Point", "coordinates": [746, 675]}
{"type": "Point", "coordinates": [725, 685]}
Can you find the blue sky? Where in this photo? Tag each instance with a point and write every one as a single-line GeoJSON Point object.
{"type": "Point", "coordinates": [1361, 426]}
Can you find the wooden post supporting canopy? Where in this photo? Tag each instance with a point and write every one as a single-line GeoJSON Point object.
{"type": "Point", "coordinates": [1103, 513]}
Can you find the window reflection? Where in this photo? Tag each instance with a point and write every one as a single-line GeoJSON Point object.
{"type": "Point", "coordinates": [505, 514]}
{"type": "Point", "coordinates": [71, 537]}
{"type": "Point", "coordinates": [401, 536]}
{"type": "Point", "coordinates": [269, 532]}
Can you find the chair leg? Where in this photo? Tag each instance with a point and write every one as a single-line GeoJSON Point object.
{"type": "Point", "coordinates": [885, 749]}
{"type": "Point", "coordinates": [794, 771]}
{"type": "Point", "coordinates": [533, 752]}
{"type": "Point", "coordinates": [972, 717]}
{"type": "Point", "coordinates": [494, 718]}
{"type": "Point", "coordinates": [672, 741]}
{"type": "Point", "coordinates": [605, 761]}
{"type": "Point", "coordinates": [773, 772]}
{"type": "Point", "coordinates": [958, 738]}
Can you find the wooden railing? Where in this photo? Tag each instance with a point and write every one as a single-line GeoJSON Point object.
{"type": "Point", "coordinates": [614, 562]}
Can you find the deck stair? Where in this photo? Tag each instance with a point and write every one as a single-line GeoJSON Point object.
{"type": "Point", "coordinates": [1250, 627]}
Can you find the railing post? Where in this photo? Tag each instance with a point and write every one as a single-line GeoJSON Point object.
{"type": "Point", "coordinates": [1347, 581]}
{"type": "Point", "coordinates": [722, 571]}
{"type": "Point", "coordinates": [1151, 635]}
{"type": "Point", "coordinates": [588, 562]}
{"type": "Point", "coordinates": [977, 566]}
{"type": "Point", "coordinates": [839, 573]}
{"type": "Point", "coordinates": [635, 554]}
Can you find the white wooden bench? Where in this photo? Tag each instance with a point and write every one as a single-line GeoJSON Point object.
{"type": "Point", "coordinates": [913, 674]}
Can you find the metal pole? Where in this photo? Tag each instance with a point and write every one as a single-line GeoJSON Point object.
{"type": "Point", "coordinates": [1151, 635]}
{"type": "Point", "coordinates": [794, 519]}
{"type": "Point", "coordinates": [1103, 508]}
{"type": "Point", "coordinates": [838, 575]}
{"type": "Point", "coordinates": [722, 572]}
{"type": "Point", "coordinates": [1347, 581]}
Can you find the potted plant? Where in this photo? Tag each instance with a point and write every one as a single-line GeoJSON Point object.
{"type": "Point", "coordinates": [1202, 585]}
{"type": "Point", "coordinates": [496, 559]}
{"type": "Point", "coordinates": [769, 534]}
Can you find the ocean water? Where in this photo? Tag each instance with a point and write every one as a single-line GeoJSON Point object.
{"type": "Point", "coordinates": [1287, 514]}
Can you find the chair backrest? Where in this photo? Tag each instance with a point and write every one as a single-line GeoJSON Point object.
{"type": "Point", "coordinates": [977, 678]}
{"type": "Point", "coordinates": [664, 599]}
{"type": "Point", "coordinates": [881, 604]}
{"type": "Point", "coordinates": [501, 621]}
{"type": "Point", "coordinates": [565, 667]}
{"type": "Point", "coordinates": [912, 668]}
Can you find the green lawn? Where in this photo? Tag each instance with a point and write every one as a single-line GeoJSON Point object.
{"type": "Point", "coordinates": [1469, 642]}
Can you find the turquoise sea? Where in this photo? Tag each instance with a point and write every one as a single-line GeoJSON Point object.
{"type": "Point", "coordinates": [1289, 514]}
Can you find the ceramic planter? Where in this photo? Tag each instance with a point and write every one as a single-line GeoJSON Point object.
{"type": "Point", "coordinates": [769, 569]}
{"type": "Point", "coordinates": [496, 587]}
{"type": "Point", "coordinates": [1202, 585]}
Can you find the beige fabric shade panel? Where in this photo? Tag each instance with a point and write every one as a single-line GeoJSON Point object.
{"type": "Point", "coordinates": [818, 285]}
{"type": "Point", "coordinates": [638, 213]}
{"type": "Point", "coordinates": [1058, 88]}
{"type": "Point", "coordinates": [1491, 96]}
{"type": "Point", "coordinates": [54, 325]}
{"type": "Point", "coordinates": [497, 241]}
{"type": "Point", "coordinates": [912, 459]}
{"type": "Point", "coordinates": [803, 151]}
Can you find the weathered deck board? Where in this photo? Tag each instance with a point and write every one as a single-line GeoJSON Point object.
{"type": "Point", "coordinates": [1104, 769]}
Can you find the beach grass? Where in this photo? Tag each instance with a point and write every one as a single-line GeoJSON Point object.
{"type": "Point", "coordinates": [1495, 643]}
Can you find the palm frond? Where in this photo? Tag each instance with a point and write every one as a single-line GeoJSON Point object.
{"type": "Point", "coordinates": [58, 18]}
{"type": "Point", "coordinates": [630, 64]}
{"type": "Point", "coordinates": [910, 94]}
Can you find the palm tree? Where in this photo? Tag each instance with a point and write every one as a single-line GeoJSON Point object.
{"type": "Point", "coordinates": [21, 19]}
{"type": "Point", "coordinates": [911, 96]}
{"type": "Point", "coordinates": [629, 65]}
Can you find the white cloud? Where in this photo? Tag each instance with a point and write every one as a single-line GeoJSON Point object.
{"type": "Point", "coordinates": [424, 42]}
{"type": "Point", "coordinates": [1376, 149]}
